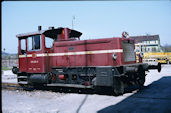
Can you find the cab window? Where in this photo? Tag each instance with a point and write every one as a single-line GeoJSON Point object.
{"type": "Point", "coordinates": [23, 46]}
{"type": "Point", "coordinates": [48, 42]}
{"type": "Point", "coordinates": [33, 43]}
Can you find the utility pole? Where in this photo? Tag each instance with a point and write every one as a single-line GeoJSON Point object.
{"type": "Point", "coordinates": [9, 57]}
{"type": "Point", "coordinates": [5, 61]}
{"type": "Point", "coordinates": [73, 18]}
{"type": "Point", "coordinates": [4, 50]}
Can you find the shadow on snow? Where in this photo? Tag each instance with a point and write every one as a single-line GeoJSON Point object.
{"type": "Point", "coordinates": [154, 98]}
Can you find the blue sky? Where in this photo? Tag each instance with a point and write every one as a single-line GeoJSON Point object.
{"type": "Point", "coordinates": [97, 19]}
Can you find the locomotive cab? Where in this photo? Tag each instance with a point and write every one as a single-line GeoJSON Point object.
{"type": "Point", "coordinates": [34, 49]}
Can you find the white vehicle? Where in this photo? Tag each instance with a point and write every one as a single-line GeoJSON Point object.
{"type": "Point", "coordinates": [150, 61]}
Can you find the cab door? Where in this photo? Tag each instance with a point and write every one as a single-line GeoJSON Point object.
{"type": "Point", "coordinates": [35, 55]}
{"type": "Point", "coordinates": [22, 55]}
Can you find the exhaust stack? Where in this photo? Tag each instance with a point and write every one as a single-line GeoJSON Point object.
{"type": "Point", "coordinates": [39, 28]}
{"type": "Point", "coordinates": [51, 28]}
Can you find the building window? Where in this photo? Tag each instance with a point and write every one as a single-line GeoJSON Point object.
{"type": "Point", "coordinates": [156, 41]}
{"type": "Point", "coordinates": [145, 49]}
{"type": "Point", "coordinates": [153, 49]}
{"type": "Point", "coordinates": [148, 49]}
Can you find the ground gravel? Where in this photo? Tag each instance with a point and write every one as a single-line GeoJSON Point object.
{"type": "Point", "coordinates": [154, 98]}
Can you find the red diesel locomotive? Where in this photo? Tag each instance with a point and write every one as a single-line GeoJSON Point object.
{"type": "Point", "coordinates": [57, 57]}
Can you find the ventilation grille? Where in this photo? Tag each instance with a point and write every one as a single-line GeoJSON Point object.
{"type": "Point", "coordinates": [128, 51]}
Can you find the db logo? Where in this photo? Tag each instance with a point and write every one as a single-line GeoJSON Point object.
{"type": "Point", "coordinates": [34, 55]}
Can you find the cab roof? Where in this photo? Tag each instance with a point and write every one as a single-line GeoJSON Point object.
{"type": "Point", "coordinates": [50, 33]}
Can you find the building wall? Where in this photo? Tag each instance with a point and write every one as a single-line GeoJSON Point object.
{"type": "Point", "coordinates": [148, 46]}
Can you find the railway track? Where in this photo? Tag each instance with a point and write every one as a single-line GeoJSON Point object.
{"type": "Point", "coordinates": [11, 86]}
{"type": "Point", "coordinates": [14, 86]}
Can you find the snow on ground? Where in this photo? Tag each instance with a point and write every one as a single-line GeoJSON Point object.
{"type": "Point", "coordinates": [154, 75]}
{"type": "Point", "coordinates": [155, 97]}
{"type": "Point", "coordinates": [9, 77]}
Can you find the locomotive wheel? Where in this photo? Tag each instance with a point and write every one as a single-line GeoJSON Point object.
{"type": "Point", "coordinates": [141, 78]}
{"type": "Point", "coordinates": [118, 86]}
{"type": "Point", "coordinates": [141, 81]}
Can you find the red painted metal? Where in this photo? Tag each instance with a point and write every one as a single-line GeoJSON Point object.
{"type": "Point", "coordinates": [43, 62]}
{"type": "Point", "coordinates": [33, 64]}
{"type": "Point", "coordinates": [61, 77]}
{"type": "Point", "coordinates": [104, 59]}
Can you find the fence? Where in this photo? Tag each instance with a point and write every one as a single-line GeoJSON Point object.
{"type": "Point", "coordinates": [9, 62]}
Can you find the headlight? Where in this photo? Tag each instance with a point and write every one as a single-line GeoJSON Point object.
{"type": "Point", "coordinates": [114, 56]}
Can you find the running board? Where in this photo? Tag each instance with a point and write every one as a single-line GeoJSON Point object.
{"type": "Point", "coordinates": [22, 76]}
{"type": "Point", "coordinates": [69, 85]}
{"type": "Point", "coordinates": [22, 82]}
